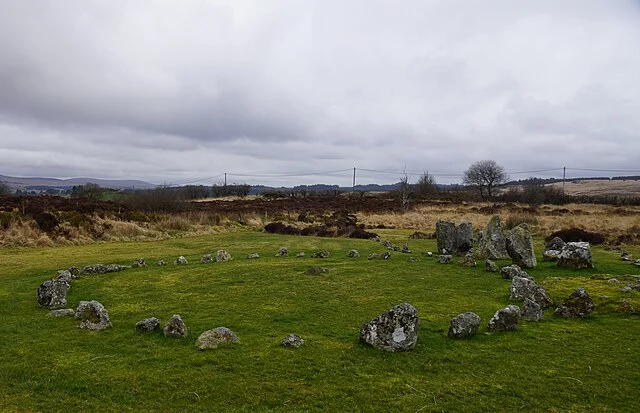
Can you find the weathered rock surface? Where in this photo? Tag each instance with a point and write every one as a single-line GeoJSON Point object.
{"type": "Point", "coordinates": [463, 237]}
{"type": "Point", "coordinates": [161, 263]}
{"type": "Point", "coordinates": [490, 266]}
{"type": "Point", "coordinates": [394, 330]}
{"type": "Point", "coordinates": [181, 260]}
{"type": "Point", "coordinates": [316, 270]}
{"type": "Point", "coordinates": [469, 259]}
{"type": "Point", "coordinates": [523, 288]}
{"type": "Point", "coordinates": [578, 305]}
{"type": "Point", "coordinates": [63, 312]}
{"type": "Point", "coordinates": [405, 248]}
{"type": "Point", "coordinates": [446, 236]}
{"type": "Point", "coordinates": [223, 256]}
{"type": "Point", "coordinates": [505, 319]}
{"type": "Point", "coordinates": [253, 256]}
{"type": "Point", "coordinates": [531, 311]}
{"type": "Point", "coordinates": [148, 325]}
{"type": "Point", "coordinates": [575, 255]}
{"type": "Point", "coordinates": [320, 254]}
{"type": "Point", "coordinates": [520, 247]}
{"type": "Point", "coordinates": [292, 341]}
{"type": "Point", "coordinates": [175, 327]}
{"type": "Point", "coordinates": [464, 325]}
{"type": "Point", "coordinates": [92, 315]}
{"type": "Point", "coordinates": [52, 294]}
{"type": "Point", "coordinates": [513, 270]}
{"type": "Point", "coordinates": [64, 276]}
{"type": "Point", "coordinates": [300, 254]}
{"type": "Point", "coordinates": [492, 243]}
{"type": "Point", "coordinates": [206, 259]}
{"type": "Point", "coordinates": [353, 254]}
{"type": "Point", "coordinates": [445, 259]}
{"type": "Point", "coordinates": [553, 248]}
{"type": "Point", "coordinates": [212, 339]}
{"type": "Point", "coordinates": [139, 263]}
{"type": "Point", "coordinates": [74, 271]}
{"type": "Point", "coordinates": [103, 268]}
{"type": "Point", "coordinates": [282, 252]}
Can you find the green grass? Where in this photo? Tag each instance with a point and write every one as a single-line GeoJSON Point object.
{"type": "Point", "coordinates": [48, 364]}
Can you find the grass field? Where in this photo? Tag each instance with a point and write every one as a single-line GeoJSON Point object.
{"type": "Point", "coordinates": [48, 364]}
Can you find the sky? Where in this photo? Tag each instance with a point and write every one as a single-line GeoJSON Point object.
{"type": "Point", "coordinates": [285, 92]}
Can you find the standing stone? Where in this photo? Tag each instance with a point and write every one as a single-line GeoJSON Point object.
{"type": "Point", "coordinates": [492, 244]}
{"type": "Point", "coordinates": [520, 246]}
{"type": "Point", "coordinates": [445, 259]}
{"type": "Point", "coordinates": [464, 237]}
{"type": "Point", "coordinates": [52, 294]}
{"type": "Point", "coordinates": [175, 327]}
{"type": "Point", "coordinates": [513, 270]}
{"type": "Point", "coordinates": [206, 259]}
{"type": "Point", "coordinates": [353, 254]}
{"type": "Point", "coordinates": [148, 325]}
{"type": "Point", "coordinates": [223, 256]}
{"type": "Point", "coordinates": [490, 266]}
{"type": "Point", "coordinates": [446, 236]}
{"type": "Point", "coordinates": [181, 260]}
{"type": "Point", "coordinates": [394, 330]}
{"type": "Point", "coordinates": [575, 255]}
{"type": "Point", "coordinates": [211, 339]}
{"type": "Point", "coordinates": [282, 252]}
{"type": "Point", "coordinates": [531, 311]}
{"type": "Point", "coordinates": [578, 305]}
{"type": "Point", "coordinates": [505, 319]}
{"type": "Point", "coordinates": [552, 249]}
{"type": "Point", "coordinates": [464, 326]}
{"type": "Point", "coordinates": [292, 341]}
{"type": "Point", "coordinates": [92, 315]}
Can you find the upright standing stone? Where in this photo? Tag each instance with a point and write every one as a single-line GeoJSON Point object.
{"type": "Point", "coordinates": [394, 330]}
{"type": "Point", "coordinates": [52, 294]}
{"type": "Point", "coordinates": [446, 236]}
{"type": "Point", "coordinates": [464, 237]}
{"type": "Point", "coordinates": [520, 247]}
{"type": "Point", "coordinates": [492, 243]}
{"type": "Point", "coordinates": [175, 327]}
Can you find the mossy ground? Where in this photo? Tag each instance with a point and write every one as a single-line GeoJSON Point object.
{"type": "Point", "coordinates": [48, 364]}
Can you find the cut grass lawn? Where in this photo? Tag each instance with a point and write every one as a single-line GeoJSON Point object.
{"type": "Point", "coordinates": [48, 364]}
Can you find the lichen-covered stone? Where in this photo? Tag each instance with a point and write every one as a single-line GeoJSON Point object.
{"type": "Point", "coordinates": [531, 311]}
{"type": "Point", "coordinates": [282, 252]}
{"type": "Point", "coordinates": [353, 254]}
{"type": "Point", "coordinates": [405, 248]}
{"type": "Point", "coordinates": [394, 330]}
{"type": "Point", "coordinates": [575, 255]}
{"type": "Point", "coordinates": [445, 259]}
{"type": "Point", "coordinates": [148, 325]}
{"type": "Point", "coordinates": [175, 327]}
{"type": "Point", "coordinates": [181, 260]}
{"type": "Point", "coordinates": [212, 339]}
{"type": "Point", "coordinates": [578, 305]}
{"type": "Point", "coordinates": [463, 237]}
{"type": "Point", "coordinates": [553, 248]}
{"type": "Point", "coordinates": [253, 256]}
{"type": "Point", "coordinates": [464, 325]}
{"type": "Point", "coordinates": [92, 316]}
{"type": "Point", "coordinates": [320, 254]}
{"type": "Point", "coordinates": [513, 270]}
{"type": "Point", "coordinates": [492, 243]}
{"type": "Point", "coordinates": [74, 271]}
{"type": "Point", "coordinates": [52, 294]}
{"type": "Point", "coordinates": [520, 247]}
{"type": "Point", "coordinates": [206, 259]}
{"type": "Point", "coordinates": [223, 256]}
{"type": "Point", "coordinates": [292, 341]}
{"type": "Point", "coordinates": [522, 288]}
{"type": "Point", "coordinates": [505, 319]}
{"type": "Point", "coordinates": [469, 259]}
{"type": "Point", "coordinates": [103, 268]}
{"type": "Point", "coordinates": [490, 266]}
{"type": "Point", "coordinates": [446, 236]}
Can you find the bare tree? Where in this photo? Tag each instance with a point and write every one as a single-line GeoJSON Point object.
{"type": "Point", "coordinates": [404, 191]}
{"type": "Point", "coordinates": [485, 176]}
{"type": "Point", "coordinates": [5, 189]}
{"type": "Point", "coordinates": [426, 186]}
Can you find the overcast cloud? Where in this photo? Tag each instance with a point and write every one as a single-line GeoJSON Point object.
{"type": "Point", "coordinates": [170, 91]}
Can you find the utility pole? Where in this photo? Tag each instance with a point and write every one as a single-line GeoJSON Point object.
{"type": "Point", "coordinates": [225, 179]}
{"type": "Point", "coordinates": [564, 176]}
{"type": "Point", "coordinates": [354, 181]}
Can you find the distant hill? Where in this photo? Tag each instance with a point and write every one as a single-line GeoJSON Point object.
{"type": "Point", "coordinates": [62, 184]}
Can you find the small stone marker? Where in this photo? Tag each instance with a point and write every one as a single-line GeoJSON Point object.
{"type": "Point", "coordinates": [175, 327]}
{"type": "Point", "coordinates": [161, 263]}
{"type": "Point", "coordinates": [490, 266]}
{"type": "Point", "coordinates": [513, 270]}
{"type": "Point", "coordinates": [63, 312]}
{"type": "Point", "coordinates": [353, 254]}
{"type": "Point", "coordinates": [92, 315]}
{"type": "Point", "coordinates": [223, 256]}
{"type": "Point", "coordinates": [464, 325]}
{"type": "Point", "coordinates": [206, 259]}
{"type": "Point", "coordinates": [139, 263]}
{"type": "Point", "coordinates": [316, 270]}
{"type": "Point", "coordinates": [445, 259]}
{"type": "Point", "coordinates": [282, 252]}
{"type": "Point", "coordinates": [320, 254]}
{"type": "Point", "coordinates": [211, 339]}
{"type": "Point", "coordinates": [395, 330]}
{"type": "Point", "coordinates": [253, 256]}
{"type": "Point", "coordinates": [181, 260]}
{"type": "Point", "coordinates": [148, 325]}
{"type": "Point", "coordinates": [300, 254]}
{"type": "Point", "coordinates": [292, 341]}
{"type": "Point", "coordinates": [531, 311]}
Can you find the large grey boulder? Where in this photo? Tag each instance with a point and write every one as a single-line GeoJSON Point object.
{"type": "Point", "coordinates": [223, 256]}
{"type": "Point", "coordinates": [578, 305]}
{"type": "Point", "coordinates": [552, 249]}
{"type": "Point", "coordinates": [575, 255]}
{"type": "Point", "coordinates": [211, 339]}
{"type": "Point", "coordinates": [394, 330]}
{"type": "Point", "coordinates": [446, 237]}
{"type": "Point", "coordinates": [513, 270]}
{"type": "Point", "coordinates": [531, 311]}
{"type": "Point", "coordinates": [464, 325]}
{"type": "Point", "coordinates": [520, 246]}
{"type": "Point", "coordinates": [492, 243]}
{"type": "Point", "coordinates": [525, 288]}
{"type": "Point", "coordinates": [505, 319]}
{"type": "Point", "coordinates": [148, 325]}
{"type": "Point", "coordinates": [292, 341]}
{"type": "Point", "coordinates": [52, 294]}
{"type": "Point", "coordinates": [175, 327]}
{"type": "Point", "coordinates": [463, 237]}
{"type": "Point", "coordinates": [92, 316]}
